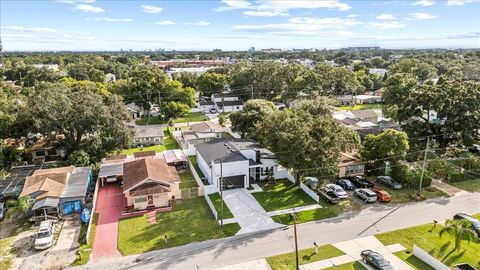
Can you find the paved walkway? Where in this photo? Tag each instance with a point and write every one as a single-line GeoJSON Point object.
{"type": "Point", "coordinates": [110, 203]}
{"type": "Point", "coordinates": [248, 213]}
{"type": "Point", "coordinates": [260, 264]}
{"type": "Point", "coordinates": [352, 250]}
{"type": "Point", "coordinates": [152, 216]}
{"type": "Point", "coordinates": [295, 209]}
{"type": "Point", "coordinates": [256, 188]}
{"type": "Point", "coordinates": [445, 187]}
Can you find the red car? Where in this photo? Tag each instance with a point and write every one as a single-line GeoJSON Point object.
{"type": "Point", "coordinates": [382, 195]}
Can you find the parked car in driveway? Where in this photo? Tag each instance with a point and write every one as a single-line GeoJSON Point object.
{"type": "Point", "coordinates": [376, 260]}
{"type": "Point", "coordinates": [45, 235]}
{"type": "Point", "coordinates": [389, 182]}
{"type": "Point", "coordinates": [366, 194]}
{"type": "Point", "coordinates": [345, 184]}
{"type": "Point", "coordinates": [337, 190]}
{"type": "Point", "coordinates": [382, 195]}
{"type": "Point", "coordinates": [475, 222]}
{"type": "Point", "coordinates": [328, 195]}
{"type": "Point", "coordinates": [361, 182]}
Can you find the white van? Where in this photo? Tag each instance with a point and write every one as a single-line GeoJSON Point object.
{"type": "Point", "coordinates": [45, 233]}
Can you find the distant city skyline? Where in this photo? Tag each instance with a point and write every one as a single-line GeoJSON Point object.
{"type": "Point", "coordinates": [89, 25]}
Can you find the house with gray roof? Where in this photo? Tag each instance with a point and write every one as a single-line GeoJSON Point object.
{"type": "Point", "coordinates": [239, 162]}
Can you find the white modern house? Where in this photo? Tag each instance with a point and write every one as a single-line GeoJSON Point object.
{"type": "Point", "coordinates": [227, 102]}
{"type": "Point", "coordinates": [109, 77]}
{"type": "Point", "coordinates": [240, 162]}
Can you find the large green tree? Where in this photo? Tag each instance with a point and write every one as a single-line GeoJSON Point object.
{"type": "Point", "coordinates": [254, 111]}
{"type": "Point", "coordinates": [306, 138]}
{"type": "Point", "coordinates": [209, 83]}
{"type": "Point", "coordinates": [386, 145]}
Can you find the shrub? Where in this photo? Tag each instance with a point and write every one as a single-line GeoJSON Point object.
{"type": "Point", "coordinates": [399, 170]}
{"type": "Point", "coordinates": [79, 158]}
{"type": "Point", "coordinates": [413, 177]}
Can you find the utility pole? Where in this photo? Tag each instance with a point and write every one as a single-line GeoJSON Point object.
{"type": "Point", "coordinates": [221, 190]}
{"type": "Point", "coordinates": [293, 217]}
{"type": "Point", "coordinates": [424, 163]}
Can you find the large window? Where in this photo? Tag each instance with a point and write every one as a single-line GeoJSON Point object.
{"type": "Point", "coordinates": [140, 199]}
{"type": "Point", "coordinates": [354, 169]}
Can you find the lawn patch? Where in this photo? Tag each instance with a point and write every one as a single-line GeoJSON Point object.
{"type": "Point", "coordinates": [189, 117]}
{"type": "Point", "coordinates": [169, 143]}
{"type": "Point", "coordinates": [438, 247]}
{"type": "Point", "coordinates": [308, 215]}
{"type": "Point", "coordinates": [282, 194]}
{"type": "Point", "coordinates": [217, 203]}
{"type": "Point", "coordinates": [6, 253]}
{"type": "Point", "coordinates": [187, 180]}
{"type": "Point", "coordinates": [348, 266]}
{"type": "Point", "coordinates": [86, 249]}
{"type": "Point", "coordinates": [287, 261]}
{"type": "Point", "coordinates": [405, 194]}
{"type": "Point", "coordinates": [231, 229]}
{"type": "Point", "coordinates": [413, 260]}
{"type": "Point", "coordinates": [190, 221]}
{"type": "Point", "coordinates": [468, 185]}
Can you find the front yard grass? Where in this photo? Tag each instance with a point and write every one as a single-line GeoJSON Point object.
{"type": "Point", "coordinates": [6, 253]}
{"type": "Point", "coordinates": [86, 249]}
{"type": "Point", "coordinates": [348, 266]}
{"type": "Point", "coordinates": [413, 261]}
{"type": "Point", "coordinates": [169, 143]}
{"type": "Point", "coordinates": [190, 221]}
{"type": "Point", "coordinates": [189, 117]}
{"type": "Point", "coordinates": [287, 261]}
{"type": "Point", "coordinates": [282, 194]}
{"type": "Point", "coordinates": [441, 248]}
{"type": "Point", "coordinates": [217, 203]}
{"type": "Point", "coordinates": [405, 194]}
{"type": "Point", "coordinates": [468, 185]}
{"type": "Point", "coordinates": [187, 180]}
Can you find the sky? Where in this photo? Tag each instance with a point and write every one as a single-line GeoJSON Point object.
{"type": "Point", "coordinates": [85, 25]}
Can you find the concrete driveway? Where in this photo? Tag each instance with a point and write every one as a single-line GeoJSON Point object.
{"type": "Point", "coordinates": [248, 213]}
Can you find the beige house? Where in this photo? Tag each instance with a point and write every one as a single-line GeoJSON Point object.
{"type": "Point", "coordinates": [350, 165]}
{"type": "Point", "coordinates": [150, 183]}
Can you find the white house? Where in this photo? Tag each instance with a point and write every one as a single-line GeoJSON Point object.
{"type": "Point", "coordinates": [229, 106]}
{"type": "Point", "coordinates": [240, 162]}
{"type": "Point", "coordinates": [109, 77]}
{"type": "Point", "coordinates": [134, 110]}
{"type": "Point", "coordinates": [222, 97]}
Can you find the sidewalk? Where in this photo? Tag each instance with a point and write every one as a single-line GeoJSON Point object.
{"type": "Point", "coordinates": [295, 209]}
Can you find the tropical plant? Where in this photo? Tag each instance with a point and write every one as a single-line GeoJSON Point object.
{"type": "Point", "coordinates": [460, 229]}
{"type": "Point", "coordinates": [17, 207]}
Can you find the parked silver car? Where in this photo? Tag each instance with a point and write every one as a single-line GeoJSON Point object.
{"type": "Point", "coordinates": [45, 235]}
{"type": "Point", "coordinates": [366, 194]}
{"type": "Point", "coordinates": [337, 190]}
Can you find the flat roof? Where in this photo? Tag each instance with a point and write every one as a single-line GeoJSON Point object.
{"type": "Point", "coordinates": [77, 183]}
{"type": "Point", "coordinates": [111, 170]}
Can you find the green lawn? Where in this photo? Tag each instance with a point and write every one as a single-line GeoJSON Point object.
{"type": "Point", "coordinates": [359, 107]}
{"type": "Point", "coordinates": [404, 195]}
{"type": "Point", "coordinates": [169, 143]}
{"type": "Point", "coordinates": [193, 160]}
{"type": "Point", "coordinates": [189, 117]}
{"type": "Point", "coordinates": [187, 180]}
{"type": "Point", "coordinates": [86, 249]}
{"type": "Point", "coordinates": [469, 185]}
{"type": "Point", "coordinates": [348, 266]}
{"type": "Point", "coordinates": [413, 260]}
{"type": "Point", "coordinates": [231, 229]}
{"type": "Point", "coordinates": [441, 248]}
{"type": "Point", "coordinates": [287, 261]}
{"type": "Point", "coordinates": [6, 253]}
{"type": "Point", "coordinates": [283, 194]}
{"type": "Point", "coordinates": [190, 221]}
{"type": "Point", "coordinates": [217, 202]}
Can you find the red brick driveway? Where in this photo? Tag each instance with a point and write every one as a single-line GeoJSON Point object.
{"type": "Point", "coordinates": [109, 206]}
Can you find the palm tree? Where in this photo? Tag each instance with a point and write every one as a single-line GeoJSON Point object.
{"type": "Point", "coordinates": [460, 229]}
{"type": "Point", "coordinates": [17, 207]}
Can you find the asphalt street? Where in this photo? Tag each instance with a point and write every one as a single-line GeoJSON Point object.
{"type": "Point", "coordinates": [222, 252]}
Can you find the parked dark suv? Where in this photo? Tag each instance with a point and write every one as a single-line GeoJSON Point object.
{"type": "Point", "coordinates": [389, 182]}
{"type": "Point", "coordinates": [361, 182]}
{"type": "Point", "coordinates": [376, 260]}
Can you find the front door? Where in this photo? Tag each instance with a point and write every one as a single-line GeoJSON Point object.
{"type": "Point", "coordinates": [150, 199]}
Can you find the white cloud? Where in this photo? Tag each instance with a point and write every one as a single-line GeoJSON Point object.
{"type": "Point", "coordinates": [165, 22]}
{"type": "Point", "coordinates": [18, 28]}
{"type": "Point", "coordinates": [89, 8]}
{"type": "Point", "coordinates": [264, 13]}
{"type": "Point", "coordinates": [424, 3]}
{"type": "Point", "coordinates": [282, 6]}
{"type": "Point", "coordinates": [151, 9]}
{"type": "Point", "coordinates": [457, 2]}
{"type": "Point", "coordinates": [234, 4]}
{"type": "Point", "coordinates": [386, 16]}
{"type": "Point", "coordinates": [201, 23]}
{"type": "Point", "coordinates": [299, 26]}
{"type": "Point", "coordinates": [386, 25]}
{"type": "Point", "coordinates": [106, 19]}
{"type": "Point", "coordinates": [422, 16]}
{"type": "Point", "coordinates": [352, 16]}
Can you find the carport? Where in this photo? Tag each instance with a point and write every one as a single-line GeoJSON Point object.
{"type": "Point", "coordinates": [236, 181]}
{"type": "Point", "coordinates": [110, 173]}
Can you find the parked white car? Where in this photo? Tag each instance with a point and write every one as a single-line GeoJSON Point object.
{"type": "Point", "coordinates": [366, 194]}
{"type": "Point", "coordinates": [45, 234]}
{"type": "Point", "coordinates": [337, 190]}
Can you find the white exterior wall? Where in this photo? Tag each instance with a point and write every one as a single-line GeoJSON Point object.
{"type": "Point", "coordinates": [231, 108]}
{"type": "Point", "coordinates": [204, 167]}
{"type": "Point", "coordinates": [224, 99]}
{"type": "Point", "coordinates": [267, 163]}
{"type": "Point", "coordinates": [231, 169]}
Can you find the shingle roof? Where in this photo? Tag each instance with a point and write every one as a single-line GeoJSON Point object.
{"type": "Point", "coordinates": [49, 182]}
{"type": "Point", "coordinates": [220, 95]}
{"type": "Point", "coordinates": [361, 114]}
{"type": "Point", "coordinates": [137, 171]}
{"type": "Point", "coordinates": [148, 131]}
{"type": "Point", "coordinates": [206, 127]}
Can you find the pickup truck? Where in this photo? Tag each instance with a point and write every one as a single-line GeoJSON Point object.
{"type": "Point", "coordinates": [328, 194]}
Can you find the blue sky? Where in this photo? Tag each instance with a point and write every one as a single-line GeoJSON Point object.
{"type": "Point", "coordinates": [237, 24]}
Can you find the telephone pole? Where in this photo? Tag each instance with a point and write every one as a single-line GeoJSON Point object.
{"type": "Point", "coordinates": [423, 166]}
{"type": "Point", "coordinates": [294, 217]}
